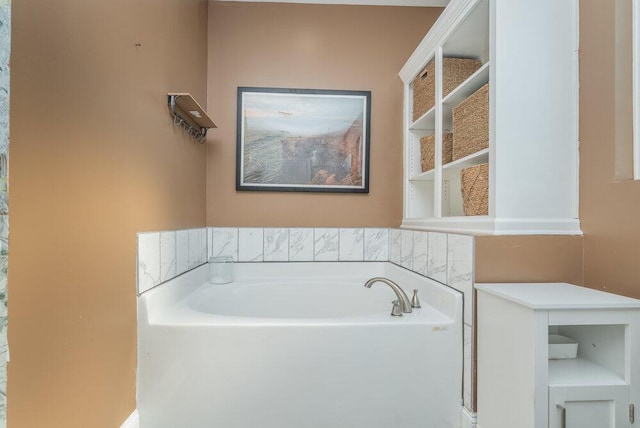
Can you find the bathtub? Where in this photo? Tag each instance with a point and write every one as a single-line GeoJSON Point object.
{"type": "Point", "coordinates": [299, 345]}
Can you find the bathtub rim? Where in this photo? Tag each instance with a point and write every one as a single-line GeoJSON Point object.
{"type": "Point", "coordinates": [166, 304]}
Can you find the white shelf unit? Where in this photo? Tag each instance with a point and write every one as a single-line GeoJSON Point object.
{"type": "Point", "coordinates": [528, 51]}
{"type": "Point", "coordinates": [519, 386]}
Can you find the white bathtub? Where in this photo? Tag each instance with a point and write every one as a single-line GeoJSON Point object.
{"type": "Point", "coordinates": [299, 345]}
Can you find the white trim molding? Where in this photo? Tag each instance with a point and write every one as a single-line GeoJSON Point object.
{"type": "Point", "coordinates": [445, 24]}
{"type": "Point", "coordinates": [133, 421]}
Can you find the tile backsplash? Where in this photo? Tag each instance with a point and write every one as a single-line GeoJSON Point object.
{"type": "Point", "coordinates": [164, 255]}
{"type": "Point", "coordinates": [376, 245]}
{"type": "Point", "coordinates": [301, 245]}
{"type": "Point", "coordinates": [444, 257]}
{"type": "Point", "coordinates": [276, 245]}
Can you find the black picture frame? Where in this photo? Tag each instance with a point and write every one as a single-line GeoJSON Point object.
{"type": "Point", "coordinates": [303, 140]}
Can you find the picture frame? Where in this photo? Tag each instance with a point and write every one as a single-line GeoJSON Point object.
{"type": "Point", "coordinates": [303, 140]}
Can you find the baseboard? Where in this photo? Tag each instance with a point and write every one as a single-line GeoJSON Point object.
{"type": "Point", "coordinates": [468, 419]}
{"type": "Point", "coordinates": [133, 421]}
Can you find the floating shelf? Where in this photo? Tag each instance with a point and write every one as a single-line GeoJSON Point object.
{"type": "Point", "coordinates": [190, 115]}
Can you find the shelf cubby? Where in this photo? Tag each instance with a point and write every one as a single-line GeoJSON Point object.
{"type": "Point", "coordinates": [581, 372]}
{"type": "Point", "coordinates": [471, 37]}
{"type": "Point", "coordinates": [466, 88]}
{"type": "Point", "coordinates": [452, 170]}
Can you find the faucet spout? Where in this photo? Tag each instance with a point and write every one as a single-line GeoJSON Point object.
{"type": "Point", "coordinates": [403, 299]}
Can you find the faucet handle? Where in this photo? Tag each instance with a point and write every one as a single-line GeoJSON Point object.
{"type": "Point", "coordinates": [395, 310]}
{"type": "Point", "coordinates": [415, 301]}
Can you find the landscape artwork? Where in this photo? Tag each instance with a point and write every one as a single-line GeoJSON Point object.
{"type": "Point", "coordinates": [303, 140]}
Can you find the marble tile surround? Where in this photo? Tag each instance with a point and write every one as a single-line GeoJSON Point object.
{"type": "Point", "coordinates": [167, 254]}
{"type": "Point", "coordinates": [164, 255]}
{"type": "Point", "coordinates": [5, 53]}
{"type": "Point", "coordinates": [443, 257]}
{"type": "Point", "coordinates": [446, 258]}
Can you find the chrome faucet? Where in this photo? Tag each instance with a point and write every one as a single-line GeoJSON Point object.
{"type": "Point", "coordinates": [403, 299]}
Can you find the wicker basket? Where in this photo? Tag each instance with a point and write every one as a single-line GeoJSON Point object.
{"type": "Point", "coordinates": [475, 189]}
{"type": "Point", "coordinates": [455, 71]}
{"type": "Point", "coordinates": [471, 124]}
{"type": "Point", "coordinates": [424, 90]}
{"type": "Point", "coordinates": [428, 151]}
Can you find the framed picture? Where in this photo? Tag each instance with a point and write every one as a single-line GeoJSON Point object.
{"type": "Point", "coordinates": [303, 140]}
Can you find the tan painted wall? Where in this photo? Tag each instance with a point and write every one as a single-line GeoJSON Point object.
{"type": "Point", "coordinates": [310, 46]}
{"type": "Point", "coordinates": [94, 158]}
{"type": "Point", "coordinates": [608, 209]}
{"type": "Point", "coordinates": [529, 259]}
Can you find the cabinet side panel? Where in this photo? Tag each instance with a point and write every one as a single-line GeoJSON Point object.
{"type": "Point", "coordinates": [534, 55]}
{"type": "Point", "coordinates": [506, 363]}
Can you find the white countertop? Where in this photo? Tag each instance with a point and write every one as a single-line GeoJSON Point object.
{"type": "Point", "coordinates": [558, 296]}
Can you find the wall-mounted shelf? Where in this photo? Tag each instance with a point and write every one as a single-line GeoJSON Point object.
{"type": "Point", "coordinates": [190, 115]}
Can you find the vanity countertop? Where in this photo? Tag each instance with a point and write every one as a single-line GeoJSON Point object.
{"type": "Point", "coordinates": [558, 295]}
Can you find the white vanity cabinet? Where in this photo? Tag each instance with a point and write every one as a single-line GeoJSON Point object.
{"type": "Point", "coordinates": [519, 386]}
{"type": "Point", "coordinates": [528, 50]}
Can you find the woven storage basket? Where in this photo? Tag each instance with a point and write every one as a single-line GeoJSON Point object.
{"type": "Point", "coordinates": [424, 90]}
{"type": "Point", "coordinates": [455, 71]}
{"type": "Point", "coordinates": [471, 124]}
{"type": "Point", "coordinates": [475, 189]}
{"type": "Point", "coordinates": [428, 151]}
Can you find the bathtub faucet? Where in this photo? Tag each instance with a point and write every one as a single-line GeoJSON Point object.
{"type": "Point", "coordinates": [405, 303]}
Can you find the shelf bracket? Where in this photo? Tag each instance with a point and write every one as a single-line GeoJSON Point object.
{"type": "Point", "coordinates": [188, 114]}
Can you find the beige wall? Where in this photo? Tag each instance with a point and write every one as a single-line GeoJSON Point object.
{"type": "Point", "coordinates": [310, 46]}
{"type": "Point", "coordinates": [608, 209]}
{"type": "Point", "coordinates": [529, 259]}
{"type": "Point", "coordinates": [94, 158]}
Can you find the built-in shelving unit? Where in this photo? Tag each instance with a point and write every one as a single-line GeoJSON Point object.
{"type": "Point", "coordinates": [190, 115]}
{"type": "Point", "coordinates": [533, 134]}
